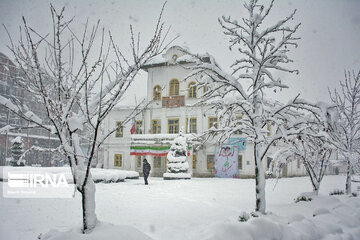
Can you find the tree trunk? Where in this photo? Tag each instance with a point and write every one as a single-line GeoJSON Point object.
{"type": "Point", "coordinates": [316, 187]}
{"type": "Point", "coordinates": [88, 206]}
{"type": "Point", "coordinates": [260, 183]}
{"type": "Point", "coordinates": [348, 177]}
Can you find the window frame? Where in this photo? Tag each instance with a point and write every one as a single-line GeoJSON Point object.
{"type": "Point", "coordinates": [178, 125]}
{"type": "Point", "coordinates": [138, 161]}
{"type": "Point", "coordinates": [157, 160]}
{"type": "Point", "coordinates": [192, 90]}
{"type": "Point", "coordinates": [215, 124]}
{"type": "Point", "coordinates": [210, 165]}
{"type": "Point", "coordinates": [237, 118]}
{"type": "Point", "coordinates": [240, 160]}
{"type": "Point", "coordinates": [194, 161]}
{"type": "Point", "coordinates": [138, 129]}
{"type": "Point", "coordinates": [157, 95]}
{"type": "Point", "coordinates": [174, 90]}
{"type": "Point", "coordinates": [158, 126]}
{"type": "Point", "coordinates": [268, 128]}
{"type": "Point", "coordinates": [119, 133]}
{"type": "Point", "coordinates": [120, 161]}
{"type": "Point", "coordinates": [189, 129]}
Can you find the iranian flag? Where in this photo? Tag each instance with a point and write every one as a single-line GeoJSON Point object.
{"type": "Point", "coordinates": [133, 128]}
{"type": "Point", "coordinates": [147, 150]}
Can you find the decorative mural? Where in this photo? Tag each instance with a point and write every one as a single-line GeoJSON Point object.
{"type": "Point", "coordinates": [226, 165]}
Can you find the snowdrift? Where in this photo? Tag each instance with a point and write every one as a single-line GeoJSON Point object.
{"type": "Point", "coordinates": [103, 230]}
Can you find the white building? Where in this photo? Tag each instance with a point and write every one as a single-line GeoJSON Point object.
{"type": "Point", "coordinates": [172, 109]}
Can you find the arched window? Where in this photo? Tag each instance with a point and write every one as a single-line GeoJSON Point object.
{"type": "Point", "coordinates": [174, 87]}
{"type": "Point", "coordinates": [192, 90]}
{"type": "Point", "coordinates": [157, 93]}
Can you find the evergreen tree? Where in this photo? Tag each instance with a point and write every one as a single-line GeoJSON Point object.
{"type": "Point", "coordinates": [177, 164]}
{"type": "Point", "coordinates": [17, 149]}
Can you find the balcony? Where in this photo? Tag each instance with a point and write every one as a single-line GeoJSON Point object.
{"type": "Point", "coordinates": [173, 101]}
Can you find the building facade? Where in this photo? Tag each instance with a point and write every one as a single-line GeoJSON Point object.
{"type": "Point", "coordinates": [172, 109]}
{"type": "Point", "coordinates": [31, 136]}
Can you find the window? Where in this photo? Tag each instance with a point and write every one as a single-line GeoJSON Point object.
{"type": "Point", "coordinates": [119, 130]}
{"type": "Point", "coordinates": [173, 125]}
{"type": "Point", "coordinates": [210, 162]}
{"type": "Point", "coordinates": [117, 160]}
{"type": "Point", "coordinates": [138, 161]}
{"type": "Point", "coordinates": [205, 88]}
{"type": "Point", "coordinates": [138, 125]}
{"type": "Point", "coordinates": [192, 90]}
{"type": "Point", "coordinates": [194, 161]}
{"type": "Point", "coordinates": [269, 162]}
{"type": "Point", "coordinates": [174, 87]}
{"type": "Point", "coordinates": [192, 127]}
{"type": "Point", "coordinates": [268, 127]}
{"type": "Point", "coordinates": [157, 93]}
{"type": "Point", "coordinates": [156, 126]}
{"type": "Point", "coordinates": [238, 123]}
{"type": "Point", "coordinates": [212, 122]}
{"type": "Point", "coordinates": [157, 162]}
{"type": "Point", "coordinates": [240, 162]}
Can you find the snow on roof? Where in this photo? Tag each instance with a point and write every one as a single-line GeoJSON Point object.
{"type": "Point", "coordinates": [175, 55]}
{"type": "Point", "coordinates": [155, 138]}
{"type": "Point", "coordinates": [5, 60]}
{"type": "Point", "coordinates": [7, 103]}
{"type": "Point", "coordinates": [18, 139]}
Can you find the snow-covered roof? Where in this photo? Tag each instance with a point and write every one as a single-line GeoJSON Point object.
{"type": "Point", "coordinates": [175, 55]}
{"type": "Point", "coordinates": [154, 138]}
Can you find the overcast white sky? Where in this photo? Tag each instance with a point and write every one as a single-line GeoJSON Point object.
{"type": "Point", "coordinates": [330, 31]}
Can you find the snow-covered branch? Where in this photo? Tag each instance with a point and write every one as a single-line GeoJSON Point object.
{"type": "Point", "coordinates": [78, 84]}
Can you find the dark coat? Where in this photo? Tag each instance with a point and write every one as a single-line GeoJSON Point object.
{"type": "Point", "coordinates": [146, 167]}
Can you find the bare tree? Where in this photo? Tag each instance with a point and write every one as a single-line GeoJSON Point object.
{"type": "Point", "coordinates": [261, 50]}
{"type": "Point", "coordinates": [79, 85]}
{"type": "Point", "coordinates": [346, 130]}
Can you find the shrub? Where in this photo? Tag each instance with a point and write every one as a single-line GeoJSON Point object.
{"type": "Point", "coordinates": [336, 192]}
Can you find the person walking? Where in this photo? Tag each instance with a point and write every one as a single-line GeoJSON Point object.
{"type": "Point", "coordinates": [146, 170]}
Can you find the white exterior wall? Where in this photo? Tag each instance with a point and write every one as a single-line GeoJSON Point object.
{"type": "Point", "coordinates": [161, 75]}
{"type": "Point", "coordinates": [118, 145]}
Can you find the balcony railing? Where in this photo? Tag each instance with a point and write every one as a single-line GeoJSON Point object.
{"type": "Point", "coordinates": [173, 101]}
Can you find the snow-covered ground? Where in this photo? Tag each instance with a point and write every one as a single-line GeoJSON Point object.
{"type": "Point", "coordinates": [192, 209]}
{"type": "Point", "coordinates": [98, 174]}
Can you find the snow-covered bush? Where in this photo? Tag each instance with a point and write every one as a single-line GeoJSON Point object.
{"type": "Point", "coordinates": [244, 216]}
{"type": "Point", "coordinates": [177, 164]}
{"type": "Point", "coordinates": [306, 197]}
{"type": "Point", "coordinates": [336, 192]}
